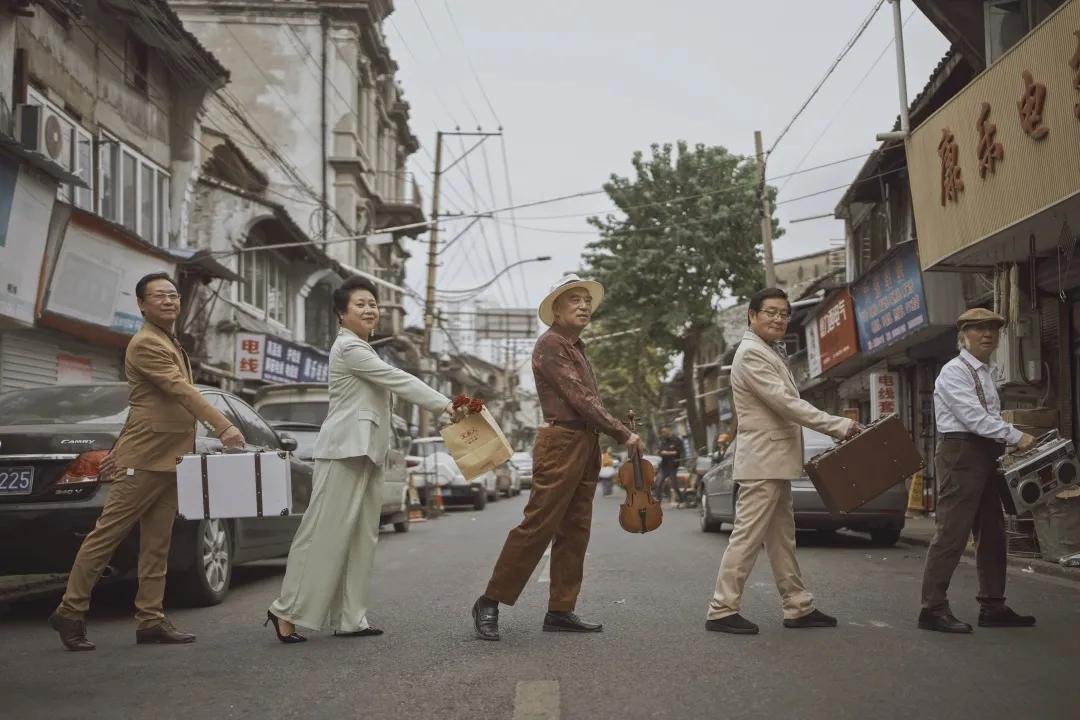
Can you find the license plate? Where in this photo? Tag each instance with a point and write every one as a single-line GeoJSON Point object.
{"type": "Point", "coordinates": [16, 480]}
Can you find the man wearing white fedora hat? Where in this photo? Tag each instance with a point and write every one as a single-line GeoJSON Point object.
{"type": "Point", "coordinates": [566, 467]}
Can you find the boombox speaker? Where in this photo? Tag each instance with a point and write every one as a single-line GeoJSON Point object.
{"type": "Point", "coordinates": [1036, 476]}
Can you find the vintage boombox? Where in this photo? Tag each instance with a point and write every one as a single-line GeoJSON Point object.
{"type": "Point", "coordinates": [1037, 475]}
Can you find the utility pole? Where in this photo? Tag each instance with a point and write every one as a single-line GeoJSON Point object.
{"type": "Point", "coordinates": [428, 363]}
{"type": "Point", "coordinates": [766, 214]}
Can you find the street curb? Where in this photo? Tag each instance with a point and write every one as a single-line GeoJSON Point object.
{"type": "Point", "coordinates": [1040, 567]}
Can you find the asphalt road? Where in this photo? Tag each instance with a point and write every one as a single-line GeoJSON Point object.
{"type": "Point", "coordinates": [653, 660]}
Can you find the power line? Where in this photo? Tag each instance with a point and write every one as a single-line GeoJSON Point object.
{"type": "Point", "coordinates": [438, 48]}
{"type": "Point", "coordinates": [465, 51]}
{"type": "Point", "coordinates": [510, 199]}
{"type": "Point", "coordinates": [832, 68]}
{"type": "Point", "coordinates": [841, 107]}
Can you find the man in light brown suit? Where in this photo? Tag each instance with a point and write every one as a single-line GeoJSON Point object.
{"type": "Point", "coordinates": [164, 405]}
{"type": "Point", "coordinates": [768, 456]}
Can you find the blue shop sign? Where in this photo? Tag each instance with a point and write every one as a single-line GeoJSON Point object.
{"type": "Point", "coordinates": [286, 362]}
{"type": "Point", "coordinates": [890, 303]}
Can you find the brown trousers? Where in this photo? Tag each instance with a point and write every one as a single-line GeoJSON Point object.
{"type": "Point", "coordinates": [147, 498]}
{"type": "Point", "coordinates": [969, 504]}
{"type": "Point", "coordinates": [566, 466]}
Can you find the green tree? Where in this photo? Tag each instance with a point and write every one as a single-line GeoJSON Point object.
{"type": "Point", "coordinates": [686, 235]}
{"type": "Point", "coordinates": [629, 369]}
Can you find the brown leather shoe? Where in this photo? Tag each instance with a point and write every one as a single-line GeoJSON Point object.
{"type": "Point", "coordinates": [72, 632]}
{"type": "Point", "coordinates": [163, 633]}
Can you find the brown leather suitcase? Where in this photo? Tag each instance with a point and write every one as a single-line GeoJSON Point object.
{"type": "Point", "coordinates": [858, 470]}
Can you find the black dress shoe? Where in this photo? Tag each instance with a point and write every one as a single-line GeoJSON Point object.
{"type": "Point", "coordinates": [568, 622]}
{"type": "Point", "coordinates": [944, 622]}
{"type": "Point", "coordinates": [366, 632]}
{"type": "Point", "coordinates": [734, 624]}
{"type": "Point", "coordinates": [814, 619]}
{"type": "Point", "coordinates": [164, 633]}
{"type": "Point", "coordinates": [1004, 617]}
{"type": "Point", "coordinates": [486, 619]}
{"type": "Point", "coordinates": [72, 632]}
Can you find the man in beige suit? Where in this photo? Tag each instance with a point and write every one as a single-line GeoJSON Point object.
{"type": "Point", "coordinates": [164, 404]}
{"type": "Point", "coordinates": [768, 456]}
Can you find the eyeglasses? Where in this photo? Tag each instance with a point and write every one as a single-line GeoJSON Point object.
{"type": "Point", "coordinates": [161, 297]}
{"type": "Point", "coordinates": [774, 314]}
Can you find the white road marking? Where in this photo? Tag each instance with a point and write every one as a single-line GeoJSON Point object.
{"type": "Point", "coordinates": [880, 624]}
{"type": "Point", "coordinates": [536, 700]}
{"type": "Point", "coordinates": [545, 567]}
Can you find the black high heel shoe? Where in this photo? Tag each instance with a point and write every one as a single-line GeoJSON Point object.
{"type": "Point", "coordinates": [293, 637]}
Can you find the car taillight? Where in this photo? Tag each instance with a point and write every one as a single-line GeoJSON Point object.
{"type": "Point", "coordinates": [84, 469]}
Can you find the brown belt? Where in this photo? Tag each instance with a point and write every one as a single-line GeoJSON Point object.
{"type": "Point", "coordinates": [572, 425]}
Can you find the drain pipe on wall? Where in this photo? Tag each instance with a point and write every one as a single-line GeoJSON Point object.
{"type": "Point", "coordinates": [324, 22]}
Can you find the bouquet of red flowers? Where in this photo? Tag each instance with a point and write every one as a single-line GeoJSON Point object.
{"type": "Point", "coordinates": [472, 406]}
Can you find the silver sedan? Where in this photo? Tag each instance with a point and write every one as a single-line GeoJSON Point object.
{"type": "Point", "coordinates": [883, 517]}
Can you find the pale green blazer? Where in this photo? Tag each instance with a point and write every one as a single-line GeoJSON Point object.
{"type": "Point", "coordinates": [358, 423]}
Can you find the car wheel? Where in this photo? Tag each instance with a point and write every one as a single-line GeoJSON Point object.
{"type": "Point", "coordinates": [708, 523]}
{"type": "Point", "coordinates": [480, 502]}
{"type": "Point", "coordinates": [493, 496]}
{"type": "Point", "coordinates": [885, 537]}
{"type": "Point", "coordinates": [208, 580]}
{"type": "Point", "coordinates": [402, 526]}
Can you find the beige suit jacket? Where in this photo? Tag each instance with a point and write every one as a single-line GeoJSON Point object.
{"type": "Point", "coordinates": [164, 404]}
{"type": "Point", "coordinates": [769, 443]}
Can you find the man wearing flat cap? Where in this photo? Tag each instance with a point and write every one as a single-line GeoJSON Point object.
{"type": "Point", "coordinates": [566, 467]}
{"type": "Point", "coordinates": [973, 436]}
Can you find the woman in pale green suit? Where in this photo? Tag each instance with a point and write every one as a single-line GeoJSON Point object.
{"type": "Point", "coordinates": [327, 579]}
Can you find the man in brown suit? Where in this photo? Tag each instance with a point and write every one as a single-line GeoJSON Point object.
{"type": "Point", "coordinates": [160, 427]}
{"type": "Point", "coordinates": [566, 467]}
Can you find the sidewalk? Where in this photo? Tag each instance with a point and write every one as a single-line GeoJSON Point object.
{"type": "Point", "coordinates": [919, 530]}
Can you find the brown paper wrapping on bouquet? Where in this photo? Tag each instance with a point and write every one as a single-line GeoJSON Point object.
{"type": "Point", "coordinates": [477, 444]}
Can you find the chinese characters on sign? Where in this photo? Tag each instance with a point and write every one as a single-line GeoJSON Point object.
{"type": "Point", "coordinates": [1031, 106]}
{"type": "Point", "coordinates": [830, 335]}
{"type": "Point", "coordinates": [249, 350]}
{"type": "Point", "coordinates": [990, 151]}
{"type": "Point", "coordinates": [951, 182]}
{"type": "Point", "coordinates": [889, 302]}
{"type": "Point", "coordinates": [262, 357]}
{"type": "Point", "coordinates": [884, 394]}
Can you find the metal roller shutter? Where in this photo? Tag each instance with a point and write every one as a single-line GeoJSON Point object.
{"type": "Point", "coordinates": [31, 358]}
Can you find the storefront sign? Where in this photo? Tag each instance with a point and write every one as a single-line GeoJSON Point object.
{"type": "Point", "coordinates": [95, 279]}
{"type": "Point", "coordinates": [889, 302]}
{"type": "Point", "coordinates": [884, 394]}
{"type": "Point", "coordinates": [26, 206]}
{"type": "Point", "coordinates": [273, 360]}
{"type": "Point", "coordinates": [1001, 150]}
{"type": "Point", "coordinates": [830, 334]}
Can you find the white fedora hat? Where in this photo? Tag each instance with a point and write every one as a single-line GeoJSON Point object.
{"type": "Point", "coordinates": [546, 313]}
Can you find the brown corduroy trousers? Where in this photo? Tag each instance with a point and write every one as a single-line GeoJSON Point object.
{"type": "Point", "coordinates": [566, 466]}
{"type": "Point", "coordinates": [969, 503]}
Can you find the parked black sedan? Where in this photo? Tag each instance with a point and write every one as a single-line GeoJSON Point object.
{"type": "Point", "coordinates": [52, 441]}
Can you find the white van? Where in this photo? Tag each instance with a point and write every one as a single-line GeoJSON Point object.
{"type": "Point", "coordinates": [431, 466]}
{"type": "Point", "coordinates": [300, 409]}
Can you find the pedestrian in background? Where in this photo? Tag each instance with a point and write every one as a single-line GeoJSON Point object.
{"type": "Point", "coordinates": [163, 406]}
{"type": "Point", "coordinates": [328, 575]}
{"type": "Point", "coordinates": [671, 449]}
{"type": "Point", "coordinates": [607, 470]}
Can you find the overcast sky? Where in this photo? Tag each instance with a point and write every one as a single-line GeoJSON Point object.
{"type": "Point", "coordinates": [578, 87]}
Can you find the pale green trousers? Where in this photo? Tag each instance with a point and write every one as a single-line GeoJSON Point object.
{"type": "Point", "coordinates": [328, 575]}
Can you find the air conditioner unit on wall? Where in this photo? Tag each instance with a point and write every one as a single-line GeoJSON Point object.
{"type": "Point", "coordinates": [43, 130]}
{"type": "Point", "coordinates": [1018, 357]}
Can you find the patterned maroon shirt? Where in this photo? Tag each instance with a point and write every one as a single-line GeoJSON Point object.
{"type": "Point", "coordinates": [566, 385]}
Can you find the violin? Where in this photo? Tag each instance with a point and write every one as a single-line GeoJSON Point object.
{"type": "Point", "coordinates": [641, 512]}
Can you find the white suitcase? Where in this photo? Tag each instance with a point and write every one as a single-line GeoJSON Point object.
{"type": "Point", "coordinates": [234, 485]}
